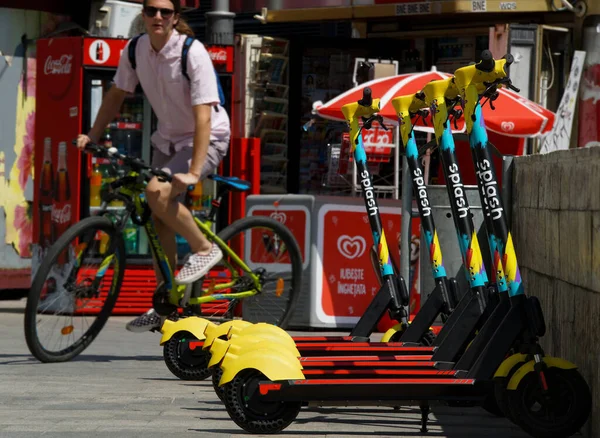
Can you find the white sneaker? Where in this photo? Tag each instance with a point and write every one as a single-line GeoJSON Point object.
{"type": "Point", "coordinates": [146, 322]}
{"type": "Point", "coordinates": [198, 265]}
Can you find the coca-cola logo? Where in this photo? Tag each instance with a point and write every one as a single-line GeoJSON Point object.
{"type": "Point", "coordinates": [60, 66]}
{"type": "Point", "coordinates": [99, 52]}
{"type": "Point", "coordinates": [376, 137]}
{"type": "Point", "coordinates": [218, 55]}
{"type": "Point", "coordinates": [61, 214]}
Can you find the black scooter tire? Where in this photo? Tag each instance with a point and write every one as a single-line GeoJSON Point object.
{"type": "Point", "coordinates": [188, 367]}
{"type": "Point", "coordinates": [217, 372]}
{"type": "Point", "coordinates": [562, 414]}
{"type": "Point", "coordinates": [252, 415]}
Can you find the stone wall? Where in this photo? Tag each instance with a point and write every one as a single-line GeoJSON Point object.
{"type": "Point", "coordinates": [556, 232]}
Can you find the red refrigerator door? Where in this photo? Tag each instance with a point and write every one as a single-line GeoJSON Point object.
{"type": "Point", "coordinates": [58, 121]}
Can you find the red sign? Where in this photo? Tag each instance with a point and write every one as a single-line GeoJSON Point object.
{"type": "Point", "coordinates": [295, 219]}
{"type": "Point", "coordinates": [378, 144]}
{"type": "Point", "coordinates": [222, 57]}
{"type": "Point", "coordinates": [103, 52]}
{"type": "Point", "coordinates": [58, 122]}
{"type": "Point", "coordinates": [348, 281]}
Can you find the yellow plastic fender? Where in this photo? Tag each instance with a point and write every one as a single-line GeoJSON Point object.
{"type": "Point", "coordinates": [217, 351]}
{"type": "Point", "coordinates": [240, 344]}
{"type": "Point", "coordinates": [551, 362]}
{"type": "Point", "coordinates": [193, 324]}
{"type": "Point", "coordinates": [275, 363]}
{"type": "Point", "coordinates": [509, 363]}
{"type": "Point", "coordinates": [391, 332]}
{"type": "Point", "coordinates": [262, 329]}
{"type": "Point", "coordinates": [218, 331]}
{"type": "Point", "coordinates": [279, 337]}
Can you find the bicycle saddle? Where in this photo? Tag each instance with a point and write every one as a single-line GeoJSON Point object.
{"type": "Point", "coordinates": [232, 182]}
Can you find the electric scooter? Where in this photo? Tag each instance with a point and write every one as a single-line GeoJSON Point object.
{"type": "Point", "coordinates": [261, 398]}
{"type": "Point", "coordinates": [520, 401]}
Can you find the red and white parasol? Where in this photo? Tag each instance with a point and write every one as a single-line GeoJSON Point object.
{"type": "Point", "coordinates": [514, 115]}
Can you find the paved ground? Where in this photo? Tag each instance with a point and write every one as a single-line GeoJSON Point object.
{"type": "Point", "coordinates": [121, 387]}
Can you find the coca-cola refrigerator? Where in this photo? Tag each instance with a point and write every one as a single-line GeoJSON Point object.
{"type": "Point", "coordinates": [73, 75]}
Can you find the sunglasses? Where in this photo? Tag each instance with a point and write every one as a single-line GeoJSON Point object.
{"type": "Point", "coordinates": [151, 11]}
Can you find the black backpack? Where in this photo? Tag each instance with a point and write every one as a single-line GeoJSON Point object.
{"type": "Point", "coordinates": [184, 54]}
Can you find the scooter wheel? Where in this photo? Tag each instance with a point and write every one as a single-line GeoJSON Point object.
{"type": "Point", "coordinates": [217, 372]}
{"type": "Point", "coordinates": [500, 392]}
{"type": "Point", "coordinates": [559, 413]}
{"type": "Point", "coordinates": [251, 413]}
{"type": "Point", "coordinates": [182, 362]}
{"type": "Point", "coordinates": [427, 339]}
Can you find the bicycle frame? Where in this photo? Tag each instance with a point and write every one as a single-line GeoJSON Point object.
{"type": "Point", "coordinates": [132, 192]}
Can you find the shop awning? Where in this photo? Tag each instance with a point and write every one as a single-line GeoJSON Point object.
{"type": "Point", "coordinates": [366, 9]}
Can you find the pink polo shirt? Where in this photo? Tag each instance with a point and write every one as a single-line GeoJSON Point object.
{"type": "Point", "coordinates": [168, 91]}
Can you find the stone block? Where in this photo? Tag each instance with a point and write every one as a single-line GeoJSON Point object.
{"type": "Point", "coordinates": [593, 185]}
{"type": "Point", "coordinates": [575, 233]}
{"type": "Point", "coordinates": [552, 244]}
{"type": "Point", "coordinates": [536, 253]}
{"type": "Point", "coordinates": [550, 191]}
{"type": "Point", "coordinates": [522, 240]}
{"type": "Point", "coordinates": [594, 283]}
{"type": "Point", "coordinates": [578, 183]}
{"type": "Point", "coordinates": [517, 180]}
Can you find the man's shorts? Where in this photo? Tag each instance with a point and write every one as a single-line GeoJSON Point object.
{"type": "Point", "coordinates": [180, 162]}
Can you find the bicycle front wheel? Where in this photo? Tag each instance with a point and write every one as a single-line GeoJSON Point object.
{"type": "Point", "coordinates": [74, 291]}
{"type": "Point", "coordinates": [271, 251]}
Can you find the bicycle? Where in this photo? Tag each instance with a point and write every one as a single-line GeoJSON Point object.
{"type": "Point", "coordinates": [71, 291]}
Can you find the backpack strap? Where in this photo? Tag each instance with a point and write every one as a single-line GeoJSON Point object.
{"type": "Point", "coordinates": [131, 50]}
{"type": "Point", "coordinates": [184, 56]}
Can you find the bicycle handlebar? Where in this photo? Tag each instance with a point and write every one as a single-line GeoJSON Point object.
{"type": "Point", "coordinates": [136, 164]}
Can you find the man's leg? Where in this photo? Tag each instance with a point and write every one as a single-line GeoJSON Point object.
{"type": "Point", "coordinates": [174, 215]}
{"type": "Point", "coordinates": [166, 236]}
{"type": "Point", "coordinates": [169, 215]}
{"type": "Point", "coordinates": [151, 320]}
{"type": "Point", "coordinates": [164, 202]}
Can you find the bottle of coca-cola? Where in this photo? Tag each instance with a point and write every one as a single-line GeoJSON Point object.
{"type": "Point", "coordinates": [99, 52]}
{"type": "Point", "coordinates": [46, 195]}
{"type": "Point", "coordinates": [61, 208]}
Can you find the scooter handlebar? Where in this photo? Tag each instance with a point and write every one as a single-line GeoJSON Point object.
{"type": "Point", "coordinates": [367, 99]}
{"type": "Point", "coordinates": [487, 63]}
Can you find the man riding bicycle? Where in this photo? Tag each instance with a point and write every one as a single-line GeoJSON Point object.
{"type": "Point", "coordinates": [191, 138]}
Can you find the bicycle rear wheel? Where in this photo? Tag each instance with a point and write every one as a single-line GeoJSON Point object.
{"type": "Point", "coordinates": [271, 251]}
{"type": "Point", "coordinates": [69, 304]}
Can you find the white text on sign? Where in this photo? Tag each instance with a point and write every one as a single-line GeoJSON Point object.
{"type": "Point", "coordinates": [413, 8]}
{"type": "Point", "coordinates": [508, 6]}
{"type": "Point", "coordinates": [479, 6]}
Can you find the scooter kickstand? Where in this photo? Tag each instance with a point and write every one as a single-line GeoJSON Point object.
{"type": "Point", "coordinates": [424, 405]}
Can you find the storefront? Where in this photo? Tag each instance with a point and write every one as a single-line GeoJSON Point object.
{"type": "Point", "coordinates": [302, 53]}
{"type": "Point", "coordinates": [324, 43]}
